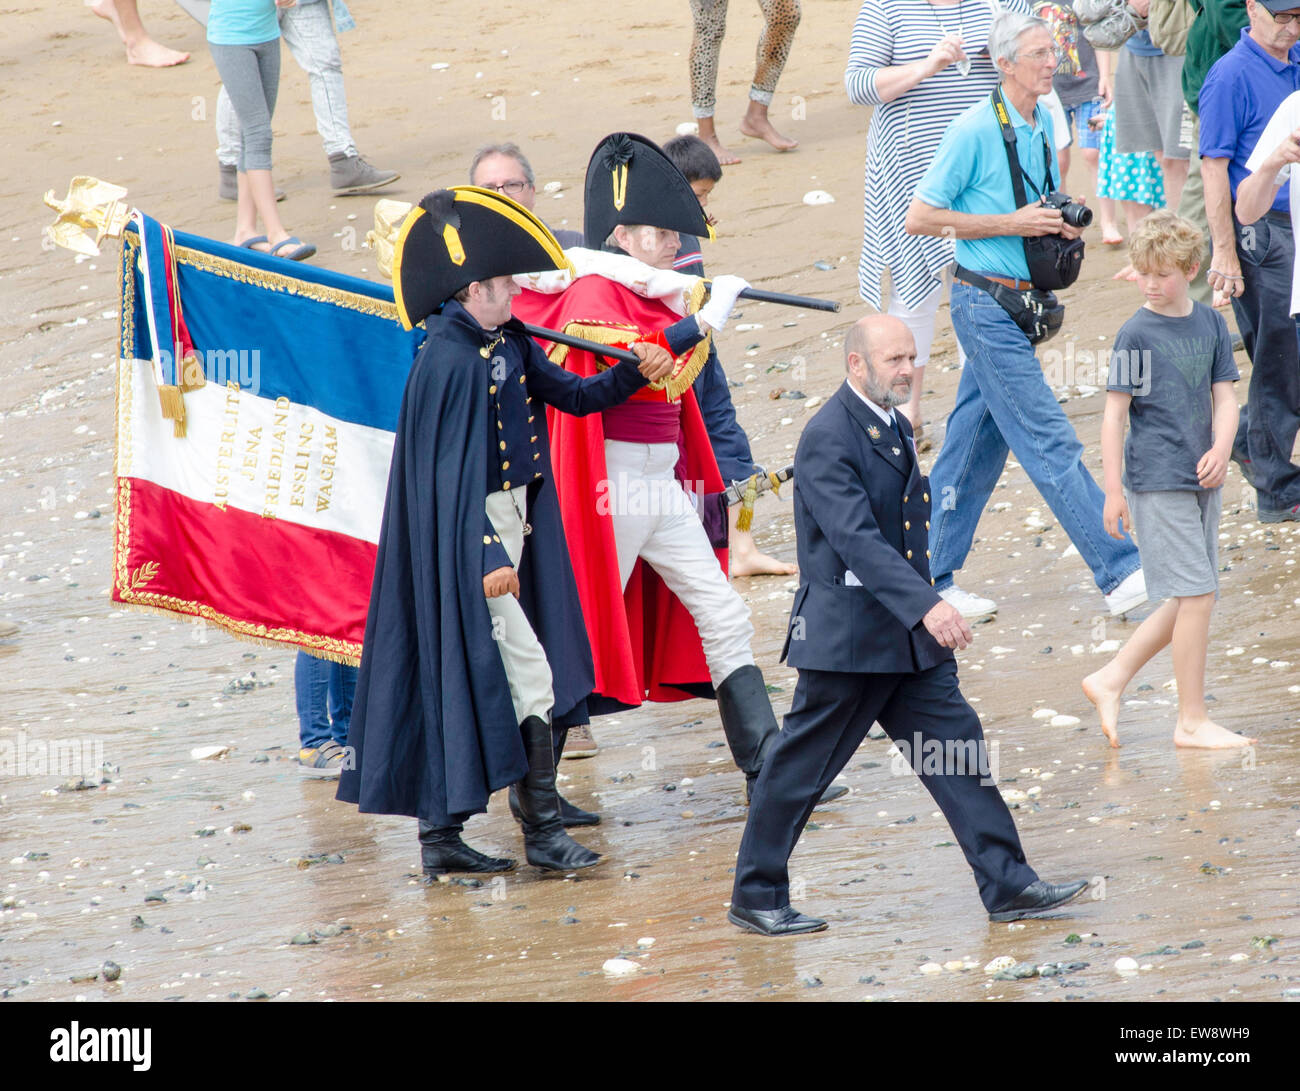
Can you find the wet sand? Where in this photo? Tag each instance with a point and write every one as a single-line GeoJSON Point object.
{"type": "Point", "coordinates": [1195, 856]}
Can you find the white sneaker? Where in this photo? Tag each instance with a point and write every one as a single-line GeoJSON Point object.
{"type": "Point", "coordinates": [1129, 595]}
{"type": "Point", "coordinates": [969, 606]}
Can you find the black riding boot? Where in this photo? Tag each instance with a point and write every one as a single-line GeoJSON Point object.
{"type": "Point", "coordinates": [442, 850]}
{"type": "Point", "coordinates": [750, 726]}
{"type": "Point", "coordinates": [570, 815]}
{"type": "Point", "coordinates": [546, 845]}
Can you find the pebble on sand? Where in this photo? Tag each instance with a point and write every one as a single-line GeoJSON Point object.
{"type": "Point", "coordinates": [1002, 962]}
{"type": "Point", "coordinates": [111, 971]}
{"type": "Point", "coordinates": [1126, 966]}
{"type": "Point", "coordinates": [1044, 713]}
{"type": "Point", "coordinates": [931, 968]}
{"type": "Point", "coordinates": [209, 753]}
{"type": "Point", "coordinates": [1064, 721]}
{"type": "Point", "coordinates": [645, 942]}
{"type": "Point", "coordinates": [619, 967]}
{"type": "Point", "coordinates": [818, 197]}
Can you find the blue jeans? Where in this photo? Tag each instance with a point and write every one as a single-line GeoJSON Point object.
{"type": "Point", "coordinates": [1270, 419]}
{"type": "Point", "coordinates": [1003, 402]}
{"type": "Point", "coordinates": [324, 692]}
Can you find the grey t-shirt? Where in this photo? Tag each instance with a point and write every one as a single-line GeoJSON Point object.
{"type": "Point", "coordinates": [1076, 89]}
{"type": "Point", "coordinates": [1168, 365]}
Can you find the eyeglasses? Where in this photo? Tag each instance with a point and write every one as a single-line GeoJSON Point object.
{"type": "Point", "coordinates": [1040, 56]}
{"type": "Point", "coordinates": [510, 189]}
{"type": "Point", "coordinates": [1280, 18]}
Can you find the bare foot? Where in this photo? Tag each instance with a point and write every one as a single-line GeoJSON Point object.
{"type": "Point", "coordinates": [1106, 699]}
{"type": "Point", "coordinates": [140, 48]}
{"type": "Point", "coordinates": [1111, 238]}
{"type": "Point", "coordinates": [1127, 273]}
{"type": "Point", "coordinates": [725, 158]}
{"type": "Point", "coordinates": [759, 127]}
{"type": "Point", "coordinates": [149, 54]}
{"type": "Point", "coordinates": [1207, 735]}
{"type": "Point", "coordinates": [754, 562]}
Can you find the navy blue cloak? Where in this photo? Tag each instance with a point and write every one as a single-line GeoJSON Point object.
{"type": "Point", "coordinates": [433, 730]}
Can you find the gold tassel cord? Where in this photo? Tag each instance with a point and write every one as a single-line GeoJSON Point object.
{"type": "Point", "coordinates": [746, 517]}
{"type": "Point", "coordinates": [173, 408]}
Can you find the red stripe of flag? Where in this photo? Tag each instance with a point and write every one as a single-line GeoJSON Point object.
{"type": "Point", "coordinates": [252, 570]}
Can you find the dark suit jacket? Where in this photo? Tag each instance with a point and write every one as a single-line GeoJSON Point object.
{"type": "Point", "coordinates": [861, 505]}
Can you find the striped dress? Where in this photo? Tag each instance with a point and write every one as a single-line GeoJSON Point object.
{"type": "Point", "coordinates": [904, 133]}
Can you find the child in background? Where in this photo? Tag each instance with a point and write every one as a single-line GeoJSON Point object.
{"type": "Point", "coordinates": [1133, 179]}
{"type": "Point", "coordinates": [696, 160]}
{"type": "Point", "coordinates": [244, 37]}
{"type": "Point", "coordinates": [1171, 373]}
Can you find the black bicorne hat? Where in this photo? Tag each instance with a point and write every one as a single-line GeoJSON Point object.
{"type": "Point", "coordinates": [456, 236]}
{"type": "Point", "coordinates": [631, 181]}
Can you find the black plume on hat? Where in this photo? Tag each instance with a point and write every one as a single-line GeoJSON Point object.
{"type": "Point", "coordinates": [456, 236]}
{"type": "Point", "coordinates": [631, 181]}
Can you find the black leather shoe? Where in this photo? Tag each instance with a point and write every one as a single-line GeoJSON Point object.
{"type": "Point", "coordinates": [442, 850]}
{"type": "Point", "coordinates": [546, 845]}
{"type": "Point", "coordinates": [785, 921]}
{"type": "Point", "coordinates": [570, 815]}
{"type": "Point", "coordinates": [1038, 898]}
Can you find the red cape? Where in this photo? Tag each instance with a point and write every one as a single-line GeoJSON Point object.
{"type": "Point", "coordinates": [643, 640]}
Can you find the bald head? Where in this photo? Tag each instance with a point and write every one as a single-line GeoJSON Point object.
{"type": "Point", "coordinates": [879, 352]}
{"type": "Point", "coordinates": [866, 332]}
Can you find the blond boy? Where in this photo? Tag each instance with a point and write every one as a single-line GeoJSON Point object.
{"type": "Point", "coordinates": [1171, 375]}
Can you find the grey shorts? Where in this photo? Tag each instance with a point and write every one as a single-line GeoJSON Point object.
{"type": "Point", "coordinates": [1151, 114]}
{"type": "Point", "coordinates": [1178, 540]}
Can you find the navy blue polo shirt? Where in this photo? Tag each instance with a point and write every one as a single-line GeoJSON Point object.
{"type": "Point", "coordinates": [1240, 93]}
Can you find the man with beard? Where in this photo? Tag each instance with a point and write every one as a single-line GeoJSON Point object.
{"type": "Point", "coordinates": [873, 640]}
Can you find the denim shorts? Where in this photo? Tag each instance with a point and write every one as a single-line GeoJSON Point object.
{"type": "Point", "coordinates": [1078, 117]}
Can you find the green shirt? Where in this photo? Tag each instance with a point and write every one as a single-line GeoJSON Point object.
{"type": "Point", "coordinates": [1214, 31]}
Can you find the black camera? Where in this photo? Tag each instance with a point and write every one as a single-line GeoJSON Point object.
{"type": "Point", "coordinates": [1072, 212]}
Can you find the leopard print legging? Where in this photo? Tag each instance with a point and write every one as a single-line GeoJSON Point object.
{"type": "Point", "coordinates": [781, 18]}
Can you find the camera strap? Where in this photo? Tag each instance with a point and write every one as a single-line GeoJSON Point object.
{"type": "Point", "coordinates": [1018, 175]}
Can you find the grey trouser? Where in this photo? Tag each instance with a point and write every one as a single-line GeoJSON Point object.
{"type": "Point", "coordinates": [251, 75]}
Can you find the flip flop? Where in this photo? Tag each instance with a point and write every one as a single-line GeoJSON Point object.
{"type": "Point", "coordinates": [251, 243]}
{"type": "Point", "coordinates": [302, 251]}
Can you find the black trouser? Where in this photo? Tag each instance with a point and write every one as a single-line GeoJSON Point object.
{"type": "Point", "coordinates": [1271, 418]}
{"type": "Point", "coordinates": [828, 720]}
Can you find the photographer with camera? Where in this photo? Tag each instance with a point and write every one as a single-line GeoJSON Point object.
{"type": "Point", "coordinates": [992, 188]}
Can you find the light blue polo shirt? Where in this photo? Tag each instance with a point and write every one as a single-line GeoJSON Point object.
{"type": "Point", "coordinates": [970, 174]}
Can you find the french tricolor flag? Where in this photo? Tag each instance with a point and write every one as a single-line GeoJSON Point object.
{"type": "Point", "coordinates": [256, 403]}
